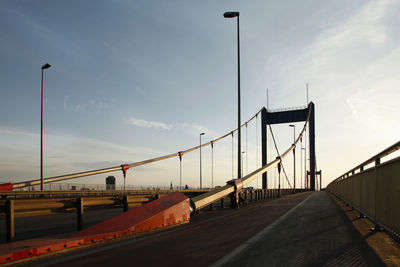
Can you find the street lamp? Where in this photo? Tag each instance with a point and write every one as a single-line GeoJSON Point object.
{"type": "Point", "coordinates": [235, 14]}
{"type": "Point", "coordinates": [301, 163]}
{"type": "Point", "coordinates": [294, 157]}
{"type": "Point", "coordinates": [200, 162]}
{"type": "Point", "coordinates": [44, 67]}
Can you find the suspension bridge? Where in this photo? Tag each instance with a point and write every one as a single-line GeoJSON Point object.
{"type": "Point", "coordinates": [296, 225]}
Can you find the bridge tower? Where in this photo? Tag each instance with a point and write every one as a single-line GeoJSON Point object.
{"type": "Point", "coordinates": [289, 116]}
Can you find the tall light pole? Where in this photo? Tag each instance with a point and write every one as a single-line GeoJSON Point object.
{"type": "Point", "coordinates": [45, 66]}
{"type": "Point", "coordinates": [294, 157]}
{"type": "Point", "coordinates": [201, 179]}
{"type": "Point", "coordinates": [235, 14]}
{"type": "Point", "coordinates": [305, 162]}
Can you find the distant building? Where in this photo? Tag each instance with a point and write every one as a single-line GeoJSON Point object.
{"type": "Point", "coordinates": [110, 183]}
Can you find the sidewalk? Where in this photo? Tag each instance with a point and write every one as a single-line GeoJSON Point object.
{"type": "Point", "coordinates": [314, 233]}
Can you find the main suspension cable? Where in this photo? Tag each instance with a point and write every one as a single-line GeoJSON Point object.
{"type": "Point", "coordinates": [279, 155]}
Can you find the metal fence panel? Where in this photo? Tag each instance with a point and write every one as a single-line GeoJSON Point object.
{"type": "Point", "coordinates": [388, 195]}
{"type": "Point", "coordinates": [368, 180]}
{"type": "Point", "coordinates": [375, 192]}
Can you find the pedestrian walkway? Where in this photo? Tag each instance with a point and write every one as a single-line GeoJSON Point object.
{"type": "Point", "coordinates": [314, 233]}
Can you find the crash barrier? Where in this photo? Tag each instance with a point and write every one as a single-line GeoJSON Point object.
{"type": "Point", "coordinates": [254, 195]}
{"type": "Point", "coordinates": [22, 204]}
{"type": "Point", "coordinates": [170, 210]}
{"type": "Point", "coordinates": [373, 192]}
{"type": "Point", "coordinates": [91, 193]}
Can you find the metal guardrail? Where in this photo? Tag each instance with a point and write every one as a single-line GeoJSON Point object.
{"type": "Point", "coordinates": [373, 192]}
{"type": "Point", "coordinates": [14, 204]}
{"type": "Point", "coordinates": [90, 193]}
{"type": "Point", "coordinates": [14, 208]}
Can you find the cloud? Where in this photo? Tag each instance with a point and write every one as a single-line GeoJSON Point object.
{"type": "Point", "coordinates": [97, 106]}
{"type": "Point", "coordinates": [364, 27]}
{"type": "Point", "coordinates": [148, 124]}
{"type": "Point", "coordinates": [188, 128]}
{"type": "Point", "coordinates": [195, 129]}
{"type": "Point", "coordinates": [93, 105]}
{"type": "Point", "coordinates": [6, 131]}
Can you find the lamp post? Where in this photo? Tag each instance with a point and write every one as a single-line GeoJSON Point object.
{"type": "Point", "coordinates": [201, 185]}
{"type": "Point", "coordinates": [235, 14]}
{"type": "Point", "coordinates": [45, 66]}
{"type": "Point", "coordinates": [301, 164]}
{"type": "Point", "coordinates": [294, 157]}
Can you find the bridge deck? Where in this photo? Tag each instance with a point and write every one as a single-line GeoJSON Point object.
{"type": "Point", "coordinates": [314, 232]}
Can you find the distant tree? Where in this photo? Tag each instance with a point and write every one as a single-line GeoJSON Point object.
{"type": "Point", "coordinates": [171, 187]}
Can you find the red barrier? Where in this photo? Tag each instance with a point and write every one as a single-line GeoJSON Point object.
{"type": "Point", "coordinates": [171, 209]}
{"type": "Point", "coordinates": [6, 187]}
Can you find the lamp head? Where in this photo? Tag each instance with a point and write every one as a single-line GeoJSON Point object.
{"type": "Point", "coordinates": [292, 125]}
{"type": "Point", "coordinates": [46, 66]}
{"type": "Point", "coordinates": [202, 134]}
{"type": "Point", "coordinates": [231, 14]}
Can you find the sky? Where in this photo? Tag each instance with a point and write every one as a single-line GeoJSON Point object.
{"type": "Point", "coordinates": [133, 80]}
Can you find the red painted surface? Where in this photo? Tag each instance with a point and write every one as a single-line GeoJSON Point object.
{"type": "Point", "coordinates": [125, 168]}
{"type": "Point", "coordinates": [6, 187]}
{"type": "Point", "coordinates": [170, 209]}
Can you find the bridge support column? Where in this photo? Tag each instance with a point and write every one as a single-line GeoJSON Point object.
{"type": "Point", "coordinates": [311, 131]}
{"type": "Point", "coordinates": [264, 145]}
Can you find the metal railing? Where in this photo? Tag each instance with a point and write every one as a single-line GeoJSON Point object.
{"type": "Point", "coordinates": [286, 109]}
{"type": "Point", "coordinates": [15, 204]}
{"type": "Point", "coordinates": [374, 192]}
{"type": "Point", "coordinates": [88, 186]}
{"type": "Point", "coordinates": [89, 193]}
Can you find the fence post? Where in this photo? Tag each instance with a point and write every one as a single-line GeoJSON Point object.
{"type": "Point", "coordinates": [10, 220]}
{"type": "Point", "coordinates": [212, 206]}
{"type": "Point", "coordinates": [79, 213]}
{"type": "Point", "coordinates": [125, 204]}
{"type": "Point", "coordinates": [376, 227]}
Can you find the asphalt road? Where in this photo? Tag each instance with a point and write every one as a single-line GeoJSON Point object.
{"type": "Point", "coordinates": [209, 237]}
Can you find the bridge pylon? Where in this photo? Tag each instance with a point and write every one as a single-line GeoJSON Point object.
{"type": "Point", "coordinates": [289, 116]}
